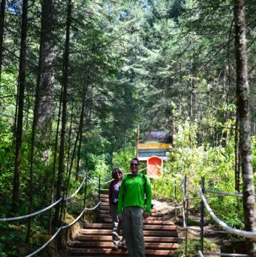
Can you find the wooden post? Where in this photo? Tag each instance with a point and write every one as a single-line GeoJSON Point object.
{"type": "Point", "coordinates": [137, 140]}
{"type": "Point", "coordinates": [202, 219]}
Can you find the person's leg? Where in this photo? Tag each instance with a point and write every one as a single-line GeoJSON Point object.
{"type": "Point", "coordinates": [115, 226]}
{"type": "Point", "coordinates": [138, 237]}
{"type": "Point", "coordinates": [127, 231]}
{"type": "Point", "coordinates": [123, 242]}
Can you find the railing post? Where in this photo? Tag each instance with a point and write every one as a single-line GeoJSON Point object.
{"type": "Point", "coordinates": [99, 188]}
{"type": "Point", "coordinates": [185, 214]}
{"type": "Point", "coordinates": [85, 186]}
{"type": "Point", "coordinates": [175, 199]}
{"type": "Point", "coordinates": [185, 198]}
{"type": "Point", "coordinates": [202, 219]}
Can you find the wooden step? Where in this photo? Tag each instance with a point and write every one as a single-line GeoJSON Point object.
{"type": "Point", "coordinates": [104, 203]}
{"type": "Point", "coordinates": [152, 216]}
{"type": "Point", "coordinates": [100, 238]}
{"type": "Point", "coordinates": [105, 210]}
{"type": "Point", "coordinates": [103, 200]}
{"type": "Point", "coordinates": [147, 221]}
{"type": "Point", "coordinates": [158, 216]}
{"type": "Point", "coordinates": [148, 245]}
{"type": "Point", "coordinates": [104, 251]}
{"type": "Point", "coordinates": [145, 227]}
{"type": "Point", "coordinates": [95, 239]}
{"type": "Point", "coordinates": [145, 232]}
{"type": "Point", "coordinates": [104, 207]}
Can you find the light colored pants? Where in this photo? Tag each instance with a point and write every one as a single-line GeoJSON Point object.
{"type": "Point", "coordinates": [133, 231]}
{"type": "Point", "coordinates": [116, 224]}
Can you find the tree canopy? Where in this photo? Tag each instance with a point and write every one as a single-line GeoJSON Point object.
{"type": "Point", "coordinates": [78, 77]}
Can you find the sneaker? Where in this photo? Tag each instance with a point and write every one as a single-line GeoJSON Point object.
{"type": "Point", "coordinates": [115, 247]}
{"type": "Point", "coordinates": [124, 245]}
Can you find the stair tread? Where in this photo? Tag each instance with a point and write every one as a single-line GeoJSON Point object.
{"type": "Point", "coordinates": [95, 239]}
{"type": "Point", "coordinates": [119, 251]}
{"type": "Point", "coordinates": [148, 245]}
{"type": "Point", "coordinates": [105, 230]}
{"type": "Point", "coordinates": [109, 238]}
{"type": "Point", "coordinates": [145, 226]}
{"type": "Point", "coordinates": [153, 214]}
{"type": "Point", "coordinates": [147, 221]}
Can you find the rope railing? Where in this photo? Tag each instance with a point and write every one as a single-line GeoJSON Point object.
{"type": "Point", "coordinates": [222, 254]}
{"type": "Point", "coordinates": [61, 228]}
{"type": "Point", "coordinates": [31, 214]}
{"type": "Point", "coordinates": [49, 207]}
{"type": "Point", "coordinates": [185, 207]}
{"type": "Point", "coordinates": [222, 193]}
{"type": "Point", "coordinates": [45, 209]}
{"type": "Point", "coordinates": [221, 223]}
{"type": "Point", "coordinates": [166, 197]}
{"type": "Point", "coordinates": [75, 193]}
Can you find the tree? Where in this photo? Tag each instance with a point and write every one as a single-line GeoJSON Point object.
{"type": "Point", "coordinates": [46, 76]}
{"type": "Point", "coordinates": [2, 15]}
{"type": "Point", "coordinates": [20, 105]}
{"type": "Point", "coordinates": [244, 122]}
{"type": "Point", "coordinates": [61, 168]}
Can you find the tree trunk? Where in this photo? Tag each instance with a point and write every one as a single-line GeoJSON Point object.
{"type": "Point", "coordinates": [81, 125]}
{"type": "Point", "coordinates": [46, 76]}
{"type": "Point", "coordinates": [244, 122]}
{"type": "Point", "coordinates": [237, 155]}
{"type": "Point", "coordinates": [64, 114]}
{"type": "Point", "coordinates": [21, 89]}
{"type": "Point", "coordinates": [2, 14]}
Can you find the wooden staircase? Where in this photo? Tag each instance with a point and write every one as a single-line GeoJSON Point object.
{"type": "Point", "coordinates": [95, 239]}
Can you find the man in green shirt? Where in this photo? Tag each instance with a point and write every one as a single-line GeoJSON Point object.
{"type": "Point", "coordinates": [132, 208]}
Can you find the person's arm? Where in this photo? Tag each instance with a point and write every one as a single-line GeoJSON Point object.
{"type": "Point", "coordinates": [120, 198]}
{"type": "Point", "coordinates": [110, 195]}
{"type": "Point", "coordinates": [148, 194]}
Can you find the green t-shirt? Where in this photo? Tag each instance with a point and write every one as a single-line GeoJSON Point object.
{"type": "Point", "coordinates": [133, 191]}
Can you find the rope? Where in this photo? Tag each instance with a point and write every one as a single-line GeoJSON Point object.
{"type": "Point", "coordinates": [32, 214]}
{"type": "Point", "coordinates": [225, 194]}
{"type": "Point", "coordinates": [238, 232]}
{"type": "Point", "coordinates": [59, 229]}
{"type": "Point", "coordinates": [45, 209]}
{"type": "Point", "coordinates": [88, 209]}
{"type": "Point", "coordinates": [67, 198]}
{"type": "Point", "coordinates": [167, 197]}
{"type": "Point", "coordinates": [223, 254]}
{"type": "Point", "coordinates": [200, 254]}
{"type": "Point", "coordinates": [46, 244]}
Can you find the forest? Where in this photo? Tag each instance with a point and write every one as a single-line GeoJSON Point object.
{"type": "Point", "coordinates": [78, 77]}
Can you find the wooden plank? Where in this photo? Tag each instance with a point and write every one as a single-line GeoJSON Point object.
{"type": "Point", "coordinates": [145, 227]}
{"type": "Point", "coordinates": [147, 221]}
{"type": "Point", "coordinates": [145, 232]}
{"type": "Point", "coordinates": [119, 251]}
{"type": "Point", "coordinates": [154, 146]}
{"type": "Point", "coordinates": [109, 238]}
{"type": "Point", "coordinates": [150, 245]}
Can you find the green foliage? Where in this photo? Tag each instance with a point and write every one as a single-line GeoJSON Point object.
{"type": "Point", "coordinates": [254, 153]}
{"type": "Point", "coordinates": [229, 209]}
{"type": "Point", "coordinates": [13, 240]}
{"type": "Point", "coordinates": [164, 65]}
{"type": "Point", "coordinates": [123, 158]}
{"type": "Point", "coordinates": [215, 164]}
{"type": "Point", "coordinates": [193, 246]}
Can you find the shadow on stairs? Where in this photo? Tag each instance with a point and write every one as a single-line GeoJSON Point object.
{"type": "Point", "coordinates": [95, 239]}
